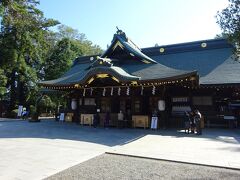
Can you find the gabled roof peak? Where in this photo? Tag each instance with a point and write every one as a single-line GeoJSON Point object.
{"type": "Point", "coordinates": [123, 48]}
{"type": "Point", "coordinates": [123, 35]}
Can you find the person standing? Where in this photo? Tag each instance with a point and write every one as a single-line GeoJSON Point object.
{"type": "Point", "coordinates": [96, 120]}
{"type": "Point", "coordinates": [192, 122]}
{"type": "Point", "coordinates": [120, 119]}
{"type": "Point", "coordinates": [197, 117]}
{"type": "Point", "coordinates": [107, 120]}
{"type": "Point", "coordinates": [187, 120]}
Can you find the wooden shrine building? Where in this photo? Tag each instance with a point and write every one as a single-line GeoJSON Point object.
{"type": "Point", "coordinates": [169, 79]}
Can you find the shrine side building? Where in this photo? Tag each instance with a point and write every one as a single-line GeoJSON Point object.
{"type": "Point", "coordinates": [169, 79]}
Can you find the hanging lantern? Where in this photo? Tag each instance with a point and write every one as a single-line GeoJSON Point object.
{"type": "Point", "coordinates": [111, 91]}
{"type": "Point", "coordinates": [84, 92]}
{"type": "Point", "coordinates": [127, 92]}
{"type": "Point", "coordinates": [161, 105]}
{"type": "Point", "coordinates": [153, 90]}
{"type": "Point", "coordinates": [142, 90]}
{"type": "Point", "coordinates": [104, 92]}
{"type": "Point", "coordinates": [119, 91]}
{"type": "Point", "coordinates": [74, 104]}
{"type": "Point", "coordinates": [91, 91]}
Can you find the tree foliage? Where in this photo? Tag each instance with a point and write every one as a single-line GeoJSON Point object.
{"type": "Point", "coordinates": [229, 21]}
{"type": "Point", "coordinates": [23, 40]}
{"type": "Point", "coordinates": [3, 82]}
{"type": "Point", "coordinates": [60, 59]}
{"type": "Point", "coordinates": [70, 45]}
{"type": "Point", "coordinates": [30, 52]}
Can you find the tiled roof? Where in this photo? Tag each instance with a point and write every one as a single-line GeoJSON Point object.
{"type": "Point", "coordinates": [214, 63]}
{"type": "Point", "coordinates": [138, 67]}
{"type": "Point", "coordinates": [226, 73]}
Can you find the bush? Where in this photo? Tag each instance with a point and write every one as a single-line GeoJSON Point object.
{"type": "Point", "coordinates": [34, 114]}
{"type": "Point", "coordinates": [32, 110]}
{"type": "Point", "coordinates": [13, 113]}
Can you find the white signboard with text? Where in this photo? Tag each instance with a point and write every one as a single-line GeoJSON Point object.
{"type": "Point", "coordinates": [154, 122]}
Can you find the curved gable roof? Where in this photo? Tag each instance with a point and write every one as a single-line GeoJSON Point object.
{"type": "Point", "coordinates": [147, 69]}
{"type": "Point", "coordinates": [123, 42]}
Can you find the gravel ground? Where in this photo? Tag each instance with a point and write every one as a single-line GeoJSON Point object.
{"type": "Point", "coordinates": [111, 167]}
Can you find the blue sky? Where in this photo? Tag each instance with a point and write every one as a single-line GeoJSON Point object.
{"type": "Point", "coordinates": [146, 22]}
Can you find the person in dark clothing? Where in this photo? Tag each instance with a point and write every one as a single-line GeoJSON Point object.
{"type": "Point", "coordinates": [96, 119]}
{"type": "Point", "coordinates": [187, 126]}
{"type": "Point", "coordinates": [107, 120]}
{"type": "Point", "coordinates": [192, 122]}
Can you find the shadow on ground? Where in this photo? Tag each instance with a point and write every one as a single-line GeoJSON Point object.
{"type": "Point", "coordinates": [51, 129]}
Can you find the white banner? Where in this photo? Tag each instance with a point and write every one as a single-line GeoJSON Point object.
{"type": "Point", "coordinates": [154, 122]}
{"type": "Point", "coordinates": [20, 110]}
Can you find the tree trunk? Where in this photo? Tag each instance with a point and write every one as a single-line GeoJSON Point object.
{"type": "Point", "coordinates": [13, 93]}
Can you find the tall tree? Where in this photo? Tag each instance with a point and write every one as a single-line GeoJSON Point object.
{"type": "Point", "coordinates": [60, 59]}
{"type": "Point", "coordinates": [229, 21]}
{"type": "Point", "coordinates": [24, 31]}
{"type": "Point", "coordinates": [3, 82]}
{"type": "Point", "coordinates": [83, 45]}
{"type": "Point", "coordinates": [70, 44]}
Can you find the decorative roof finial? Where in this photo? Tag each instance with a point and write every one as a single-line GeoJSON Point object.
{"type": "Point", "coordinates": [119, 31]}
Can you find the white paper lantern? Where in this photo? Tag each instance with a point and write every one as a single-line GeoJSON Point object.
{"type": "Point", "coordinates": [74, 104]}
{"type": "Point", "coordinates": [161, 105]}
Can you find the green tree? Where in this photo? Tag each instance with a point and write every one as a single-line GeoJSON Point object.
{"type": "Point", "coordinates": [70, 45]}
{"type": "Point", "coordinates": [81, 43]}
{"type": "Point", "coordinates": [24, 33]}
{"type": "Point", "coordinates": [60, 59]}
{"type": "Point", "coordinates": [229, 21]}
{"type": "Point", "coordinates": [3, 82]}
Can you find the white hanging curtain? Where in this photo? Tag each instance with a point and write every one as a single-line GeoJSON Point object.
{"type": "Point", "coordinates": [111, 91]}
{"type": "Point", "coordinates": [84, 92]}
{"type": "Point", "coordinates": [104, 91]}
{"type": "Point", "coordinates": [142, 90]}
{"type": "Point", "coordinates": [119, 91]}
{"type": "Point", "coordinates": [91, 91]}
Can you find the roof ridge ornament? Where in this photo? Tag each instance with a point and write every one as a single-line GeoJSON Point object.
{"type": "Point", "coordinates": [119, 31]}
{"type": "Point", "coordinates": [101, 62]}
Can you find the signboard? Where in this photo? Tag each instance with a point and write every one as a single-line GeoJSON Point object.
{"type": "Point", "coordinates": [20, 110]}
{"type": "Point", "coordinates": [154, 122]}
{"type": "Point", "coordinates": [61, 118]}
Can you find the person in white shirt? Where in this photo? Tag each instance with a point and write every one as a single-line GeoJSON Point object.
{"type": "Point", "coordinates": [197, 118]}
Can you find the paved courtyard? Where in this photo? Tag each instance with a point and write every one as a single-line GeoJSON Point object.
{"type": "Point", "coordinates": [216, 147]}
{"type": "Point", "coordinates": [38, 150]}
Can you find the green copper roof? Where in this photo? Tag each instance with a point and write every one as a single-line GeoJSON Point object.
{"type": "Point", "coordinates": [80, 74]}
{"type": "Point", "coordinates": [121, 41]}
{"type": "Point", "coordinates": [122, 60]}
{"type": "Point", "coordinates": [226, 73]}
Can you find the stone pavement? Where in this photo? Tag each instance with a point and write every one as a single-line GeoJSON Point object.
{"type": "Point", "coordinates": [38, 150]}
{"type": "Point", "coordinates": [9, 120]}
{"type": "Point", "coordinates": [216, 147]}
